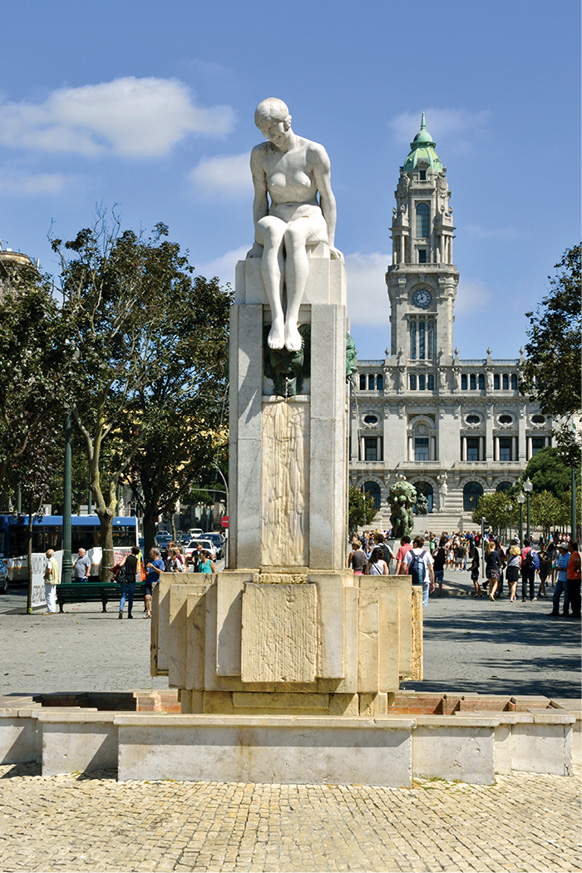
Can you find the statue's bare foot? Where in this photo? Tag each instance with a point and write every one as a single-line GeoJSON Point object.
{"type": "Point", "coordinates": [293, 338]}
{"type": "Point", "coordinates": [276, 338]}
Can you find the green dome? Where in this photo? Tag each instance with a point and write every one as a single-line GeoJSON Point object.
{"type": "Point", "coordinates": [423, 149]}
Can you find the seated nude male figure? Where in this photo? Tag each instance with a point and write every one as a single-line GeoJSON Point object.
{"type": "Point", "coordinates": [293, 207]}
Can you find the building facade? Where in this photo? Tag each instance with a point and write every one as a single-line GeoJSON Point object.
{"type": "Point", "coordinates": [454, 428]}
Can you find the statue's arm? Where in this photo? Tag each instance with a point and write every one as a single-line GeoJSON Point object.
{"type": "Point", "coordinates": [261, 201]}
{"type": "Point", "coordinates": [322, 176]}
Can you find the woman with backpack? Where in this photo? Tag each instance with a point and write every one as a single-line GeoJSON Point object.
{"type": "Point", "coordinates": [492, 568]}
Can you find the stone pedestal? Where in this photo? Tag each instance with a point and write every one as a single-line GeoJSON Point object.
{"type": "Point", "coordinates": [287, 629]}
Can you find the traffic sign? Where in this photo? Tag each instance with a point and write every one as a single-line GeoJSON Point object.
{"type": "Point", "coordinates": [224, 521]}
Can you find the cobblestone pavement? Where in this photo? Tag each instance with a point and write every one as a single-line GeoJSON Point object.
{"type": "Point", "coordinates": [68, 823]}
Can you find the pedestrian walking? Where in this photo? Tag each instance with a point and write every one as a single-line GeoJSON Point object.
{"type": "Point", "coordinates": [81, 567]}
{"type": "Point", "coordinates": [153, 570]}
{"type": "Point", "coordinates": [130, 563]}
{"type": "Point", "coordinates": [573, 579]}
{"type": "Point", "coordinates": [562, 582]}
{"type": "Point", "coordinates": [513, 569]}
{"type": "Point", "coordinates": [52, 578]}
{"type": "Point", "coordinates": [377, 566]}
{"type": "Point", "coordinates": [492, 568]}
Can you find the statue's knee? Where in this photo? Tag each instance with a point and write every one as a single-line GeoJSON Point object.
{"type": "Point", "coordinates": [295, 237]}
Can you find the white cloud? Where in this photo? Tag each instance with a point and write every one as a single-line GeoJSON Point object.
{"type": "Point", "coordinates": [131, 117]}
{"type": "Point", "coordinates": [225, 175]}
{"type": "Point", "coordinates": [443, 124]}
{"type": "Point", "coordinates": [224, 265]}
{"type": "Point", "coordinates": [367, 295]}
{"type": "Point", "coordinates": [472, 296]}
{"type": "Point", "coordinates": [34, 184]}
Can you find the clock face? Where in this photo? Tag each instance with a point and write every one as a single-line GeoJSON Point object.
{"type": "Point", "coordinates": [422, 298]}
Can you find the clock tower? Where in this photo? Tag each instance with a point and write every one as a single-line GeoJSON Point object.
{"type": "Point", "coordinates": [422, 280]}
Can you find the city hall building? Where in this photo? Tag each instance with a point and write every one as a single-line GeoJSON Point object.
{"type": "Point", "coordinates": [455, 428]}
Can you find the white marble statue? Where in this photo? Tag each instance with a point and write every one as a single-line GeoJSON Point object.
{"type": "Point", "coordinates": [293, 207]}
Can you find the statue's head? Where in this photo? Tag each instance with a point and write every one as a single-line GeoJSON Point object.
{"type": "Point", "coordinates": [273, 119]}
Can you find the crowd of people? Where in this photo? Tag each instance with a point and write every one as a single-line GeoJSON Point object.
{"type": "Point", "coordinates": [555, 563]}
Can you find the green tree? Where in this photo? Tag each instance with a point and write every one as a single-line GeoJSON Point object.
{"type": "Point", "coordinates": [551, 374]}
{"type": "Point", "coordinates": [362, 508]}
{"type": "Point", "coordinates": [499, 509]}
{"type": "Point", "coordinates": [32, 394]}
{"type": "Point", "coordinates": [549, 470]}
{"type": "Point", "coordinates": [148, 337]}
{"type": "Point", "coordinates": [549, 511]}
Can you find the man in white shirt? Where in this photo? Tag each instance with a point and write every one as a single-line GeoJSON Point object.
{"type": "Point", "coordinates": [418, 562]}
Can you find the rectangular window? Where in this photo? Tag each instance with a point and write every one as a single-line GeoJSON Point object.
{"type": "Point", "coordinates": [430, 381]}
{"type": "Point", "coordinates": [473, 449]}
{"type": "Point", "coordinates": [412, 379]}
{"type": "Point", "coordinates": [505, 448]}
{"type": "Point", "coordinates": [413, 339]}
{"type": "Point", "coordinates": [430, 339]}
{"type": "Point", "coordinates": [422, 256]}
{"type": "Point", "coordinates": [421, 448]}
{"type": "Point", "coordinates": [421, 382]}
{"type": "Point", "coordinates": [537, 443]}
{"type": "Point", "coordinates": [371, 448]}
{"type": "Point", "coordinates": [422, 175]}
{"type": "Point", "coordinates": [421, 340]}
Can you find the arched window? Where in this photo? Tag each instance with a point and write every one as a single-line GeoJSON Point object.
{"type": "Point", "coordinates": [426, 489]}
{"type": "Point", "coordinates": [481, 382]}
{"type": "Point", "coordinates": [371, 382]}
{"type": "Point", "coordinates": [504, 486]}
{"type": "Point", "coordinates": [412, 379]}
{"type": "Point", "coordinates": [372, 489]}
{"type": "Point", "coordinates": [423, 220]}
{"type": "Point", "coordinates": [505, 382]}
{"type": "Point", "coordinates": [473, 382]}
{"type": "Point", "coordinates": [496, 382]}
{"type": "Point", "coordinates": [471, 494]}
{"type": "Point", "coordinates": [362, 382]}
{"type": "Point", "coordinates": [464, 382]}
{"type": "Point", "coordinates": [514, 382]}
{"type": "Point", "coordinates": [380, 382]}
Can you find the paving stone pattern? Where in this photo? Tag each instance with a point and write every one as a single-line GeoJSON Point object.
{"type": "Point", "coordinates": [70, 823]}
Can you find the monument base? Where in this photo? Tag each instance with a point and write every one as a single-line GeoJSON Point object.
{"type": "Point", "coordinates": [246, 642]}
{"type": "Point", "coordinates": [470, 738]}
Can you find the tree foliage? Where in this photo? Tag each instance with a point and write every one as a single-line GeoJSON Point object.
{"type": "Point", "coordinates": [361, 508]}
{"type": "Point", "coordinates": [149, 377]}
{"type": "Point", "coordinates": [499, 509]}
{"type": "Point", "coordinates": [31, 388]}
{"type": "Point", "coordinates": [551, 374]}
{"type": "Point", "coordinates": [550, 470]}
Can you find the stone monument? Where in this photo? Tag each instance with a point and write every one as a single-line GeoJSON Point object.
{"type": "Point", "coordinates": [287, 629]}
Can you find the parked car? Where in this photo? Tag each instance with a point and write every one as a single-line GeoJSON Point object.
{"type": "Point", "coordinates": [3, 577]}
{"type": "Point", "coordinates": [207, 545]}
{"type": "Point", "coordinates": [218, 543]}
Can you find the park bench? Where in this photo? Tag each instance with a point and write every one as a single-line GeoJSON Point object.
{"type": "Point", "coordinates": [92, 592]}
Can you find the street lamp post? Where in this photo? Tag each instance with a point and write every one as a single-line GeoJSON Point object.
{"type": "Point", "coordinates": [521, 501]}
{"type": "Point", "coordinates": [67, 473]}
{"type": "Point", "coordinates": [527, 487]}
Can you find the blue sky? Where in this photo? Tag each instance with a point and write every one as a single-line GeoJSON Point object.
{"type": "Point", "coordinates": [150, 106]}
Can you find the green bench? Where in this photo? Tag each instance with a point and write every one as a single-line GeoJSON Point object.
{"type": "Point", "coordinates": [92, 592]}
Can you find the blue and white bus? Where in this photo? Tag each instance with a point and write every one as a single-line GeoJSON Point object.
{"type": "Point", "coordinates": [47, 533]}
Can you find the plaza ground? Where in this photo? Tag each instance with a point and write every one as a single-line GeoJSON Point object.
{"type": "Point", "coordinates": [68, 823]}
